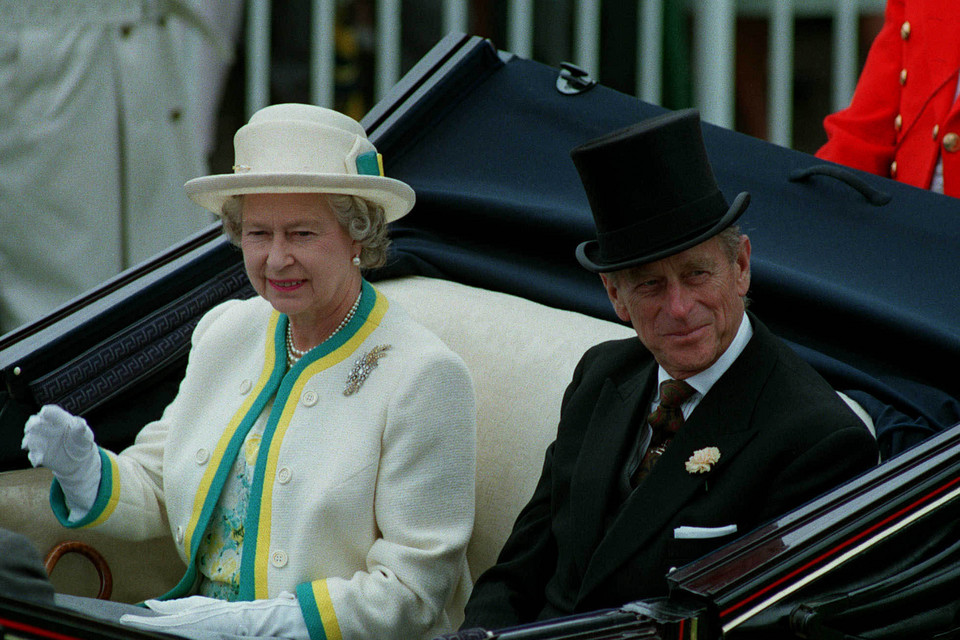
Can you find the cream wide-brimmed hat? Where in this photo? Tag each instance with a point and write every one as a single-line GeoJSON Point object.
{"type": "Point", "coordinates": [302, 148]}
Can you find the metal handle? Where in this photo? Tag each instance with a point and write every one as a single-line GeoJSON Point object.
{"type": "Point", "coordinates": [573, 80]}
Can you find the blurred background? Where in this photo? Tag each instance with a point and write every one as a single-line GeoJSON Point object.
{"type": "Point", "coordinates": [769, 68]}
{"type": "Point", "coordinates": [108, 106]}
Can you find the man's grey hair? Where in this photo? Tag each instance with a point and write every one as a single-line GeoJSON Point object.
{"type": "Point", "coordinates": [364, 221]}
{"type": "Point", "coordinates": [729, 239]}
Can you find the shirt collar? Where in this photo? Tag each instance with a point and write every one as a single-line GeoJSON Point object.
{"type": "Point", "coordinates": [703, 381]}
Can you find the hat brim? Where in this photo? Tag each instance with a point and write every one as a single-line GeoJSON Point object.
{"type": "Point", "coordinates": [210, 192]}
{"type": "Point", "coordinates": [588, 252]}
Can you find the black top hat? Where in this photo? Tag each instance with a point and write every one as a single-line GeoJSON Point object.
{"type": "Point", "coordinates": [652, 192]}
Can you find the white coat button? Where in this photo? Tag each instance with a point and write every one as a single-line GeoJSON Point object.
{"type": "Point", "coordinates": [309, 398]}
{"type": "Point", "coordinates": [284, 475]}
{"type": "Point", "coordinates": [278, 559]}
{"type": "Point", "coordinates": [245, 387]}
{"type": "Point", "coordinates": [202, 456]}
{"type": "Point", "coordinates": [179, 535]}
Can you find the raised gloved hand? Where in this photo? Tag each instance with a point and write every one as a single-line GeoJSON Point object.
{"type": "Point", "coordinates": [278, 617]}
{"type": "Point", "coordinates": [63, 443]}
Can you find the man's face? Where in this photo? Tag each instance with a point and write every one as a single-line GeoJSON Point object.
{"type": "Point", "coordinates": [686, 308]}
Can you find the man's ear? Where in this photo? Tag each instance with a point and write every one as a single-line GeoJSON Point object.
{"type": "Point", "coordinates": [743, 266]}
{"type": "Point", "coordinates": [610, 283]}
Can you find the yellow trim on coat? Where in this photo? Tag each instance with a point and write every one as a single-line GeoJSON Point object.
{"type": "Point", "coordinates": [114, 499]}
{"type": "Point", "coordinates": [269, 361]}
{"type": "Point", "coordinates": [328, 617]}
{"type": "Point", "coordinates": [266, 508]}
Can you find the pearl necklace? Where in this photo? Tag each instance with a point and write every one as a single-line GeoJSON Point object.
{"type": "Point", "coordinates": [294, 354]}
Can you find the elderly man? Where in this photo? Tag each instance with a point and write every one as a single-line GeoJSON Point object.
{"type": "Point", "coordinates": [677, 443]}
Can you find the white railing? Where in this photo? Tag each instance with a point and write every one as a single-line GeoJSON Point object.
{"type": "Point", "coordinates": [713, 56]}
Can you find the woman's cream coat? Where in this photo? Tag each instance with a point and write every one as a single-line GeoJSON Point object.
{"type": "Point", "coordinates": [362, 504]}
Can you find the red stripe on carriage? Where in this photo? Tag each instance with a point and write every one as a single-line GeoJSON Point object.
{"type": "Point", "coordinates": [838, 548]}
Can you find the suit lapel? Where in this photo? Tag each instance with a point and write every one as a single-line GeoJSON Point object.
{"type": "Point", "coordinates": [722, 419]}
{"type": "Point", "coordinates": [596, 473]}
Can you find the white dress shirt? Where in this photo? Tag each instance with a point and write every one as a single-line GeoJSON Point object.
{"type": "Point", "coordinates": [704, 381]}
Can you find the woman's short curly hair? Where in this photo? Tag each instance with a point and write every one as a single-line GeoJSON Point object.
{"type": "Point", "coordinates": [363, 220]}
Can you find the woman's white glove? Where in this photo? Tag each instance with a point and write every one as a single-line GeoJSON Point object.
{"type": "Point", "coordinates": [63, 443]}
{"type": "Point", "coordinates": [278, 617]}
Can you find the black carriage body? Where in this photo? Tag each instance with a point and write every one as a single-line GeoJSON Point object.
{"type": "Point", "coordinates": [853, 270]}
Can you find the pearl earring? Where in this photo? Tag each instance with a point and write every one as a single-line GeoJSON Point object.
{"type": "Point", "coordinates": [356, 261]}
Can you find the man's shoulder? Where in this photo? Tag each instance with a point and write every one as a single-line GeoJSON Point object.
{"type": "Point", "coordinates": [615, 354]}
{"type": "Point", "coordinates": [794, 387]}
{"type": "Point", "coordinates": [619, 361]}
{"type": "Point", "coordinates": [788, 362]}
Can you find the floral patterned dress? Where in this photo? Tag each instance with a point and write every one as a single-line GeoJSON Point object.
{"type": "Point", "coordinates": [220, 550]}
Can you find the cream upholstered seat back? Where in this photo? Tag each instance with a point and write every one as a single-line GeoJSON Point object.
{"type": "Point", "coordinates": [521, 355]}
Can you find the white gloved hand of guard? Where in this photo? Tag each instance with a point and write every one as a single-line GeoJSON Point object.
{"type": "Point", "coordinates": [278, 617]}
{"type": "Point", "coordinates": [63, 443]}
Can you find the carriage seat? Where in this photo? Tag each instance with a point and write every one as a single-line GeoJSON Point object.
{"type": "Point", "coordinates": [521, 355]}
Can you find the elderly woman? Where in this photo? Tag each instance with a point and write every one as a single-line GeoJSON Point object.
{"type": "Point", "coordinates": [316, 468]}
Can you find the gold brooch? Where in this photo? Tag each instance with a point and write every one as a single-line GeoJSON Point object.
{"type": "Point", "coordinates": [362, 368]}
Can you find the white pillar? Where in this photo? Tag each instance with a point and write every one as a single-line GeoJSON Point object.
{"type": "Point", "coordinates": [650, 51]}
{"type": "Point", "coordinates": [845, 39]}
{"type": "Point", "coordinates": [587, 37]}
{"type": "Point", "coordinates": [780, 85]}
{"type": "Point", "coordinates": [323, 53]}
{"type": "Point", "coordinates": [388, 52]}
{"type": "Point", "coordinates": [520, 28]}
{"type": "Point", "coordinates": [455, 16]}
{"type": "Point", "coordinates": [258, 55]}
{"type": "Point", "coordinates": [715, 53]}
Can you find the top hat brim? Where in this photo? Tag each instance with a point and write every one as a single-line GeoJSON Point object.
{"type": "Point", "coordinates": [210, 192]}
{"type": "Point", "coordinates": [588, 253]}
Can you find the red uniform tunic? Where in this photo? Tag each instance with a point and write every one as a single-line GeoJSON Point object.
{"type": "Point", "coordinates": [904, 112]}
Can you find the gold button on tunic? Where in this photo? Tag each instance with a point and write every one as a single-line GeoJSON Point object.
{"type": "Point", "coordinates": [951, 142]}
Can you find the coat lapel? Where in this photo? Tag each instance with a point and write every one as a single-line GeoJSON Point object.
{"type": "Point", "coordinates": [722, 420]}
{"type": "Point", "coordinates": [596, 473]}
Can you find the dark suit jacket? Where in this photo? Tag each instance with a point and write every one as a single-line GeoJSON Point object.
{"type": "Point", "coordinates": [22, 575]}
{"type": "Point", "coordinates": [784, 437]}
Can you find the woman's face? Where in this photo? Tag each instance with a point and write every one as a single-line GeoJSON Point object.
{"type": "Point", "coordinates": [297, 255]}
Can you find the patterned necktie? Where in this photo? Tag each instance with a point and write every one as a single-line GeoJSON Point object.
{"type": "Point", "coordinates": [665, 420]}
